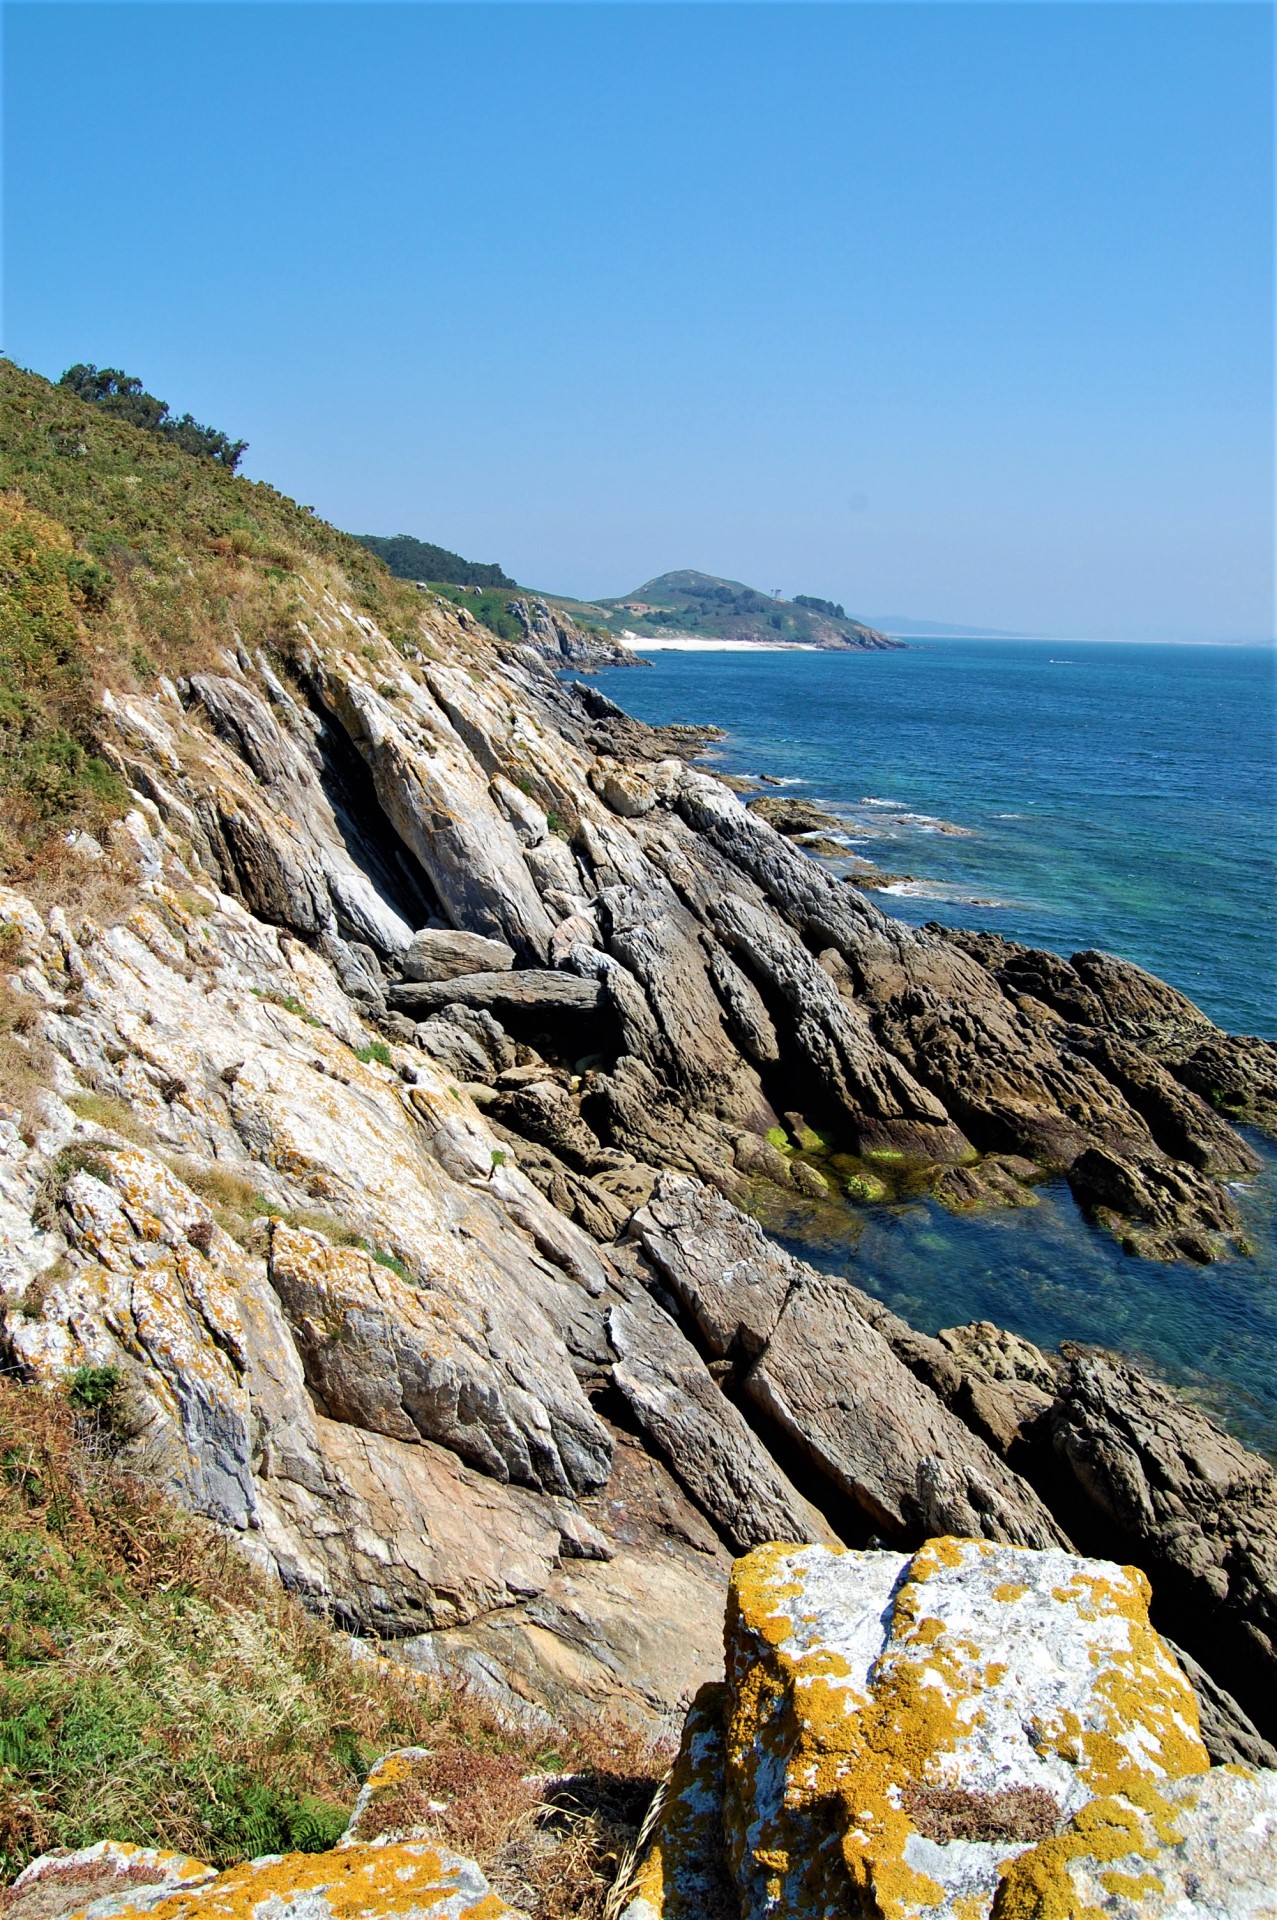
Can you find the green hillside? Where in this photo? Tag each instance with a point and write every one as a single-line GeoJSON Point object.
{"type": "Point", "coordinates": [126, 551]}
{"type": "Point", "coordinates": [699, 604]}
{"type": "Point", "coordinates": [411, 559]}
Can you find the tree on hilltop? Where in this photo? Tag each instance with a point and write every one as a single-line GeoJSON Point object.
{"type": "Point", "coordinates": [121, 394]}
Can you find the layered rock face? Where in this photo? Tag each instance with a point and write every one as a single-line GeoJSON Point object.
{"type": "Point", "coordinates": [971, 1730]}
{"type": "Point", "coordinates": [392, 1143]}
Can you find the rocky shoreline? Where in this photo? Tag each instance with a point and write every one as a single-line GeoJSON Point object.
{"type": "Point", "coordinates": [394, 1146]}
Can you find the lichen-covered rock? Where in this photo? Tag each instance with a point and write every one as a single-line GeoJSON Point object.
{"type": "Point", "coordinates": [1204, 1844]}
{"type": "Point", "coordinates": [975, 1730]}
{"type": "Point", "coordinates": [681, 1869]}
{"type": "Point", "coordinates": [101, 1881]}
{"type": "Point", "coordinates": [398, 1880]}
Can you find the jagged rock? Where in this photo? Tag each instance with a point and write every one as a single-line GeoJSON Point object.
{"type": "Point", "coordinates": [1229, 1735]}
{"type": "Point", "coordinates": [792, 817]}
{"type": "Point", "coordinates": [556, 635]}
{"type": "Point", "coordinates": [827, 1380]}
{"type": "Point", "coordinates": [702, 1436]}
{"type": "Point", "coordinates": [535, 990]}
{"type": "Point", "coordinates": [622, 789]}
{"type": "Point", "coordinates": [997, 1181]}
{"type": "Point", "coordinates": [547, 1114]}
{"type": "Point", "coordinates": [1166, 1486]}
{"type": "Point", "coordinates": [831, 1384]}
{"type": "Point", "coordinates": [976, 1730]}
{"type": "Point", "coordinates": [492, 1386]}
{"type": "Point", "coordinates": [1156, 1208]}
{"type": "Point", "coordinates": [441, 954]}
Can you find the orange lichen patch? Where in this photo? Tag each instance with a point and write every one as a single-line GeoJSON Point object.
{"type": "Point", "coordinates": [398, 1881]}
{"type": "Point", "coordinates": [1135, 1886]}
{"type": "Point", "coordinates": [1010, 1590]}
{"type": "Point", "coordinates": [1039, 1885]}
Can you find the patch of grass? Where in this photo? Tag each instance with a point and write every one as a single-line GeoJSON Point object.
{"type": "Point", "coordinates": [101, 1110]}
{"type": "Point", "coordinates": [375, 1050]}
{"type": "Point", "coordinates": [122, 555]}
{"type": "Point", "coordinates": [385, 1259]}
{"type": "Point", "coordinates": [332, 1229]}
{"type": "Point", "coordinates": [63, 1167]}
{"type": "Point", "coordinates": [94, 1388]}
{"type": "Point", "coordinates": [26, 1060]}
{"type": "Point", "coordinates": [235, 1203]}
{"type": "Point", "coordinates": [155, 1689]}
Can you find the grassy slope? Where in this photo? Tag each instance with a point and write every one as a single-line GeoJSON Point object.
{"type": "Point", "coordinates": [153, 1688]}
{"type": "Point", "coordinates": [121, 556]}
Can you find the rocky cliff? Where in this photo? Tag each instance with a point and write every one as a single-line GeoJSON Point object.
{"type": "Point", "coordinates": [386, 1077]}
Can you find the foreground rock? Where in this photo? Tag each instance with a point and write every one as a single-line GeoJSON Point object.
{"type": "Point", "coordinates": [974, 1730]}
{"type": "Point", "coordinates": [375, 1871]}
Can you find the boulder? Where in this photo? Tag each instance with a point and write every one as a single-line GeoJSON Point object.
{"type": "Point", "coordinates": [969, 1731]}
{"type": "Point", "coordinates": [439, 953]}
{"type": "Point", "coordinates": [109, 1876]}
{"type": "Point", "coordinates": [393, 1880]}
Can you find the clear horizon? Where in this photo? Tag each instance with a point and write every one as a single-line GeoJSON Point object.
{"type": "Point", "coordinates": [960, 308]}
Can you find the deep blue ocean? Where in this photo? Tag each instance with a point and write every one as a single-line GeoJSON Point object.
{"type": "Point", "coordinates": [1115, 796]}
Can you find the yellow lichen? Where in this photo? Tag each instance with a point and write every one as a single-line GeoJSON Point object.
{"type": "Point", "coordinates": [388, 1882]}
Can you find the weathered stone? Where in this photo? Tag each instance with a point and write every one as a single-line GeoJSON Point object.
{"type": "Point", "coordinates": [398, 1880]}
{"type": "Point", "coordinates": [681, 1869]}
{"type": "Point", "coordinates": [828, 1380]}
{"type": "Point", "coordinates": [702, 1436]}
{"type": "Point", "coordinates": [534, 990]}
{"type": "Point", "coordinates": [398, 1359]}
{"type": "Point", "coordinates": [105, 1878]}
{"type": "Point", "coordinates": [791, 816]}
{"type": "Point", "coordinates": [899, 1730]}
{"type": "Point", "coordinates": [1157, 1480]}
{"type": "Point", "coordinates": [831, 1383]}
{"type": "Point", "coordinates": [975, 1731]}
{"type": "Point", "coordinates": [438, 953]}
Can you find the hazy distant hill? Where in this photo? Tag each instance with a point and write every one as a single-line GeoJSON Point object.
{"type": "Point", "coordinates": [687, 602]}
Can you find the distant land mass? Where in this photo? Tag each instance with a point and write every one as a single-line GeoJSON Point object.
{"type": "Point", "coordinates": [411, 559]}
{"type": "Point", "coordinates": [684, 603]}
{"type": "Point", "coordinates": [701, 604]}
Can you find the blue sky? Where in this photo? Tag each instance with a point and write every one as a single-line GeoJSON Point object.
{"type": "Point", "coordinates": [963, 311]}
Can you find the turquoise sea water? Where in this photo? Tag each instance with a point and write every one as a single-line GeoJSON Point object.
{"type": "Point", "coordinates": [1113, 796]}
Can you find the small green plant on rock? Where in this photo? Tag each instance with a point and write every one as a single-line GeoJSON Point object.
{"type": "Point", "coordinates": [375, 1050]}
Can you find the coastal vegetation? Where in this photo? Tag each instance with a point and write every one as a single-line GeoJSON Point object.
{"type": "Point", "coordinates": [412, 559]}
{"type": "Point", "coordinates": [125, 554]}
{"type": "Point", "coordinates": [153, 1686]}
{"type": "Point", "coordinates": [124, 395]}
